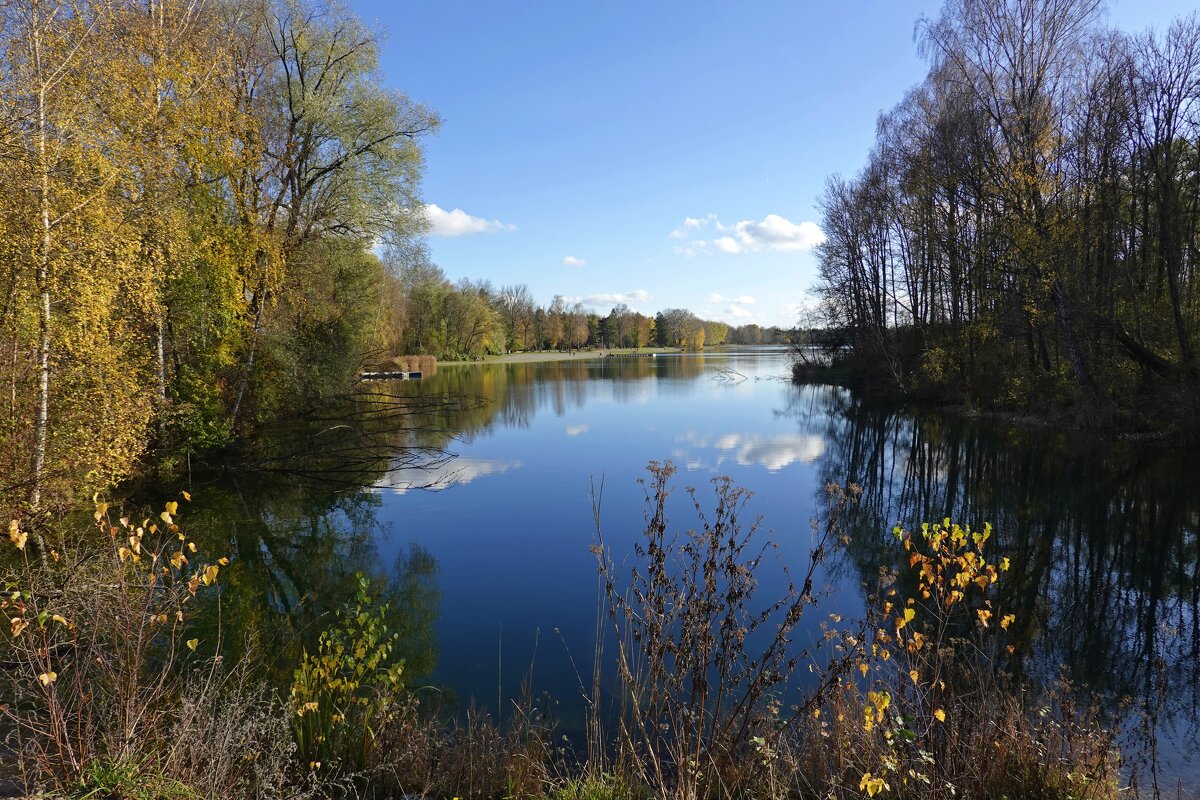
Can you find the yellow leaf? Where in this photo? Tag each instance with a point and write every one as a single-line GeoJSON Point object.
{"type": "Point", "coordinates": [18, 624]}
{"type": "Point", "coordinates": [60, 619]}
{"type": "Point", "coordinates": [48, 678]}
{"type": "Point", "coordinates": [914, 675]}
{"type": "Point", "coordinates": [862, 667]}
{"type": "Point", "coordinates": [165, 517]}
{"type": "Point", "coordinates": [222, 561]}
{"type": "Point", "coordinates": [192, 643]}
{"type": "Point", "coordinates": [16, 535]}
{"type": "Point", "coordinates": [984, 616]}
{"type": "Point", "coordinates": [187, 496]}
{"type": "Point", "coordinates": [210, 574]}
{"type": "Point", "coordinates": [940, 715]}
{"type": "Point", "coordinates": [1004, 564]}
{"type": "Point", "coordinates": [1007, 620]}
{"type": "Point", "coordinates": [101, 510]}
{"type": "Point", "coordinates": [872, 785]}
{"type": "Point", "coordinates": [192, 546]}
{"type": "Point", "coordinates": [178, 560]}
{"type": "Point", "coordinates": [172, 507]}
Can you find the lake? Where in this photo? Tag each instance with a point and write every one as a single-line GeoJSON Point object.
{"type": "Point", "coordinates": [469, 497]}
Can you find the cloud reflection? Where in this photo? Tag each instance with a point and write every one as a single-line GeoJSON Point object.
{"type": "Point", "coordinates": [772, 452]}
{"type": "Point", "coordinates": [455, 472]}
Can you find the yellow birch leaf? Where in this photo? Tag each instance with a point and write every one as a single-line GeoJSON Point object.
{"type": "Point", "coordinates": [192, 643]}
{"type": "Point", "coordinates": [940, 715]}
{"type": "Point", "coordinates": [16, 535]}
{"type": "Point", "coordinates": [48, 678]}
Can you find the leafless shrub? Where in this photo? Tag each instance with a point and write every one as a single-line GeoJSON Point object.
{"type": "Point", "coordinates": [701, 660]}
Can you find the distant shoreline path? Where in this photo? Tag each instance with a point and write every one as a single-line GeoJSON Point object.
{"type": "Point", "coordinates": [558, 355]}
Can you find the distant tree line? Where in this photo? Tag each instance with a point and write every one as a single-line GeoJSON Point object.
{"type": "Point", "coordinates": [473, 319]}
{"type": "Point", "coordinates": [1025, 231]}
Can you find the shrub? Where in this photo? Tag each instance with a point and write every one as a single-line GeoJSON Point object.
{"type": "Point", "coordinates": [341, 692]}
{"type": "Point", "coordinates": [106, 689]}
{"type": "Point", "coordinates": [95, 635]}
{"type": "Point", "coordinates": [700, 659]}
{"type": "Point", "coordinates": [930, 714]}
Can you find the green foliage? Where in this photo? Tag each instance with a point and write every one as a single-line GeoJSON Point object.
{"type": "Point", "coordinates": [604, 786]}
{"type": "Point", "coordinates": [346, 688]}
{"type": "Point", "coordinates": [128, 780]}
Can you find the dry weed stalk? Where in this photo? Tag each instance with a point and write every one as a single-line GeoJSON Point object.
{"type": "Point", "coordinates": [701, 662]}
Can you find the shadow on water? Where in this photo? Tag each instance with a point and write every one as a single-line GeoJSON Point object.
{"type": "Point", "coordinates": [1102, 535]}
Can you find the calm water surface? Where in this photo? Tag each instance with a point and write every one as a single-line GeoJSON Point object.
{"type": "Point", "coordinates": [482, 545]}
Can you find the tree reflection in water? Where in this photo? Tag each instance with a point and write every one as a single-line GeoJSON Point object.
{"type": "Point", "coordinates": [1102, 535]}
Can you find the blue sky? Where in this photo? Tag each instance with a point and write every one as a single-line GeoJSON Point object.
{"type": "Point", "coordinates": [662, 154]}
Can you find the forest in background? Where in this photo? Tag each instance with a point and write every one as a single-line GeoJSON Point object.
{"type": "Point", "coordinates": [470, 319]}
{"type": "Point", "coordinates": [1024, 233]}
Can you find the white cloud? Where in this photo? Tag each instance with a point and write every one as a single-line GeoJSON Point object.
{"type": "Point", "coordinates": [572, 261]}
{"type": "Point", "coordinates": [575, 430]}
{"type": "Point", "coordinates": [744, 300]}
{"type": "Point", "coordinates": [772, 233]}
{"type": "Point", "coordinates": [716, 298]}
{"type": "Point", "coordinates": [738, 311]}
{"type": "Point", "coordinates": [460, 223]}
{"type": "Point", "coordinates": [692, 224]}
{"type": "Point", "coordinates": [615, 298]}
